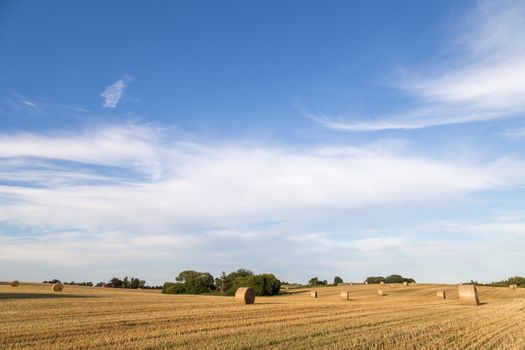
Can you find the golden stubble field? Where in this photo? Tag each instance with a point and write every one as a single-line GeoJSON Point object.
{"type": "Point", "coordinates": [33, 317]}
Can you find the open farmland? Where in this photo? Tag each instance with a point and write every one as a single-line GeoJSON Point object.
{"type": "Point", "coordinates": [406, 317]}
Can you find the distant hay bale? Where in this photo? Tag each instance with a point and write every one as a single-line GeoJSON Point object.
{"type": "Point", "coordinates": [380, 292]}
{"type": "Point", "coordinates": [382, 283]}
{"type": "Point", "coordinates": [351, 284]}
{"type": "Point", "coordinates": [366, 282]}
{"type": "Point", "coordinates": [468, 295]}
{"type": "Point", "coordinates": [57, 287]}
{"type": "Point", "coordinates": [405, 284]}
{"type": "Point", "coordinates": [441, 294]}
{"type": "Point", "coordinates": [513, 286]}
{"type": "Point", "coordinates": [245, 295]}
{"type": "Point", "coordinates": [313, 294]}
{"type": "Point", "coordinates": [15, 283]}
{"type": "Point", "coordinates": [345, 295]}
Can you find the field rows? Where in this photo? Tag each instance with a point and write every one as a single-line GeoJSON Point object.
{"type": "Point", "coordinates": [407, 317]}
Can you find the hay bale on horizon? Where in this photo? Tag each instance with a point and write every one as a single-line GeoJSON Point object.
{"type": "Point", "coordinates": [313, 294]}
{"type": "Point", "coordinates": [380, 292]}
{"type": "Point", "coordinates": [15, 283]}
{"type": "Point", "coordinates": [441, 294]}
{"type": "Point", "coordinates": [245, 295]}
{"type": "Point", "coordinates": [405, 284]}
{"type": "Point", "coordinates": [57, 287]}
{"type": "Point", "coordinates": [345, 295]}
{"type": "Point", "coordinates": [382, 283]}
{"type": "Point", "coordinates": [468, 295]}
{"type": "Point", "coordinates": [513, 286]}
{"type": "Point", "coordinates": [366, 282]}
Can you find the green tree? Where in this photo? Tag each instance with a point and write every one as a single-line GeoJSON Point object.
{"type": "Point", "coordinates": [375, 280]}
{"type": "Point", "coordinates": [173, 288]}
{"type": "Point", "coordinates": [196, 282]}
{"type": "Point", "coordinates": [314, 281]}
{"type": "Point", "coordinates": [115, 282]}
{"type": "Point", "coordinates": [263, 285]}
{"type": "Point", "coordinates": [337, 280]}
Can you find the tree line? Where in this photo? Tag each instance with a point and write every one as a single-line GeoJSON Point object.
{"type": "Point", "coordinates": [517, 280]}
{"type": "Point", "coordinates": [316, 282]}
{"type": "Point", "coordinates": [195, 282]}
{"type": "Point", "coordinates": [115, 282]}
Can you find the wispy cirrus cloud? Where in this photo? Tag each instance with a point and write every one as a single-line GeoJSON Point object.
{"type": "Point", "coordinates": [481, 76]}
{"type": "Point", "coordinates": [138, 190]}
{"type": "Point", "coordinates": [114, 92]}
{"type": "Point", "coordinates": [216, 184]}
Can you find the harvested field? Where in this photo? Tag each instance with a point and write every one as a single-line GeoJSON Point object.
{"type": "Point", "coordinates": [34, 317]}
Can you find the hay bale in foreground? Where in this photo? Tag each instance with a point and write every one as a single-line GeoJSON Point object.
{"type": "Point", "coordinates": [313, 294]}
{"type": "Point", "coordinates": [441, 294]}
{"type": "Point", "coordinates": [15, 283]}
{"type": "Point", "coordinates": [380, 292]}
{"type": "Point", "coordinates": [468, 295]}
{"type": "Point", "coordinates": [57, 287]}
{"type": "Point", "coordinates": [405, 284]}
{"type": "Point", "coordinates": [245, 295]}
{"type": "Point", "coordinates": [345, 295]}
{"type": "Point", "coordinates": [513, 286]}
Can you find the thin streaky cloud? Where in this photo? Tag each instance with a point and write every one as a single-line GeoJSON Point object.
{"type": "Point", "coordinates": [483, 81]}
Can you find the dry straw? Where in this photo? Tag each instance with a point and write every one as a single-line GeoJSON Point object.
{"type": "Point", "coordinates": [15, 284]}
{"type": "Point", "coordinates": [245, 295]}
{"type": "Point", "coordinates": [313, 294]}
{"type": "Point", "coordinates": [345, 295]}
{"type": "Point", "coordinates": [468, 295]}
{"type": "Point", "coordinates": [441, 294]}
{"type": "Point", "coordinates": [58, 287]}
{"type": "Point", "coordinates": [380, 292]}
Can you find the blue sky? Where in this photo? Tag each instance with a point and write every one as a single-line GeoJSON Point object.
{"type": "Point", "coordinates": [301, 138]}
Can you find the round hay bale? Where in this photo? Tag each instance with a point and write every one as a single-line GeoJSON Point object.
{"type": "Point", "coordinates": [441, 294]}
{"type": "Point", "coordinates": [345, 295]}
{"type": "Point", "coordinates": [57, 287]}
{"type": "Point", "coordinates": [313, 294]}
{"type": "Point", "coordinates": [380, 292]}
{"type": "Point", "coordinates": [382, 283]}
{"type": "Point", "coordinates": [513, 286]}
{"type": "Point", "coordinates": [468, 295]}
{"type": "Point", "coordinates": [351, 284]}
{"type": "Point", "coordinates": [245, 295]}
{"type": "Point", "coordinates": [15, 283]}
{"type": "Point", "coordinates": [405, 284]}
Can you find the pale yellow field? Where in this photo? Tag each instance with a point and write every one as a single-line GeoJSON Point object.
{"type": "Point", "coordinates": [33, 317]}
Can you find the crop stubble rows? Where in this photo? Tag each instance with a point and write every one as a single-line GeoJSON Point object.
{"type": "Point", "coordinates": [407, 317]}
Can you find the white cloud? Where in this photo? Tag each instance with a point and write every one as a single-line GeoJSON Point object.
{"type": "Point", "coordinates": [131, 193]}
{"type": "Point", "coordinates": [482, 76]}
{"type": "Point", "coordinates": [113, 93]}
{"type": "Point", "coordinates": [216, 184]}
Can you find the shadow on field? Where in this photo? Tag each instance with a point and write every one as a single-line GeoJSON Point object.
{"type": "Point", "coordinates": [5, 296]}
